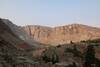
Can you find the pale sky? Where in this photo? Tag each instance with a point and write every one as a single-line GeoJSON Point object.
{"type": "Point", "coordinates": [51, 12]}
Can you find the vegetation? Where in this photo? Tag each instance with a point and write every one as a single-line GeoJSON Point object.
{"type": "Point", "coordinates": [89, 57]}
{"type": "Point", "coordinates": [74, 51]}
{"type": "Point", "coordinates": [91, 41]}
{"type": "Point", "coordinates": [50, 55]}
{"type": "Point", "coordinates": [71, 65]}
{"type": "Point", "coordinates": [85, 57]}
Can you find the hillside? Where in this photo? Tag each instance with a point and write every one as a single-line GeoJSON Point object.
{"type": "Point", "coordinates": [18, 48]}
{"type": "Point", "coordinates": [62, 34]}
{"type": "Point", "coordinates": [13, 48]}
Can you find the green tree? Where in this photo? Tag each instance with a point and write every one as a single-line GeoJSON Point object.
{"type": "Point", "coordinates": [89, 56]}
{"type": "Point", "coordinates": [50, 55]}
{"type": "Point", "coordinates": [74, 51]}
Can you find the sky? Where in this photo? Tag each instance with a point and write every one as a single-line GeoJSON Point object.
{"type": "Point", "coordinates": [51, 12]}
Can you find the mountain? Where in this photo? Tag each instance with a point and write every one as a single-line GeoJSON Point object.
{"type": "Point", "coordinates": [16, 46]}
{"type": "Point", "coordinates": [21, 33]}
{"type": "Point", "coordinates": [62, 34]}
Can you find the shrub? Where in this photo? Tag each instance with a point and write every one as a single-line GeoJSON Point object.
{"type": "Point", "coordinates": [50, 55]}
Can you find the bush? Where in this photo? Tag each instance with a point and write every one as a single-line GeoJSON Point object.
{"type": "Point", "coordinates": [74, 51]}
{"type": "Point", "coordinates": [89, 56]}
{"type": "Point", "coordinates": [50, 55]}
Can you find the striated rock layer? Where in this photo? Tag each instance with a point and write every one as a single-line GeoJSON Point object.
{"type": "Point", "coordinates": [62, 34]}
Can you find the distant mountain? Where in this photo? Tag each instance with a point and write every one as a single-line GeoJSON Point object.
{"type": "Point", "coordinates": [62, 34]}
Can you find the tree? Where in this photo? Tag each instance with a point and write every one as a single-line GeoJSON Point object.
{"type": "Point", "coordinates": [89, 56]}
{"type": "Point", "coordinates": [50, 55]}
{"type": "Point", "coordinates": [74, 51]}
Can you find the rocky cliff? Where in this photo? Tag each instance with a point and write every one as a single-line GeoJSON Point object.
{"type": "Point", "coordinates": [62, 34]}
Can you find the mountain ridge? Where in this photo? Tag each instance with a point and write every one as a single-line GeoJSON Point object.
{"type": "Point", "coordinates": [59, 25]}
{"type": "Point", "coordinates": [17, 33]}
{"type": "Point", "coordinates": [62, 34]}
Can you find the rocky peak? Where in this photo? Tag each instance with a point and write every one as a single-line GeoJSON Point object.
{"type": "Point", "coordinates": [62, 34]}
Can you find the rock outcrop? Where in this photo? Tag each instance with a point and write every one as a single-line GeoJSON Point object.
{"type": "Point", "coordinates": [62, 34]}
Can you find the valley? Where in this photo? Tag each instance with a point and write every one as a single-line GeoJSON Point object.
{"type": "Point", "coordinates": [72, 45]}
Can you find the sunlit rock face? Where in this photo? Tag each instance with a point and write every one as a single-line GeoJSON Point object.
{"type": "Point", "coordinates": [62, 34]}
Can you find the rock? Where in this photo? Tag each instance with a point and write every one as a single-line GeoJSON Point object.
{"type": "Point", "coordinates": [62, 34]}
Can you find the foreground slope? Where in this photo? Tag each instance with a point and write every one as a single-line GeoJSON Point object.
{"type": "Point", "coordinates": [13, 48]}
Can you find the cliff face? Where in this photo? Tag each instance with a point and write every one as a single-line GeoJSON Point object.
{"type": "Point", "coordinates": [62, 34]}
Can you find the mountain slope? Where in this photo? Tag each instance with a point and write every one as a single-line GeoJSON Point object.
{"type": "Point", "coordinates": [16, 46]}
{"type": "Point", "coordinates": [62, 34]}
{"type": "Point", "coordinates": [20, 33]}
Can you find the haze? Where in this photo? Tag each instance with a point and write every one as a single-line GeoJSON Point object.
{"type": "Point", "coordinates": [51, 12]}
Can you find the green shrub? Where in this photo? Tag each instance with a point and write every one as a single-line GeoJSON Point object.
{"type": "Point", "coordinates": [50, 55]}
